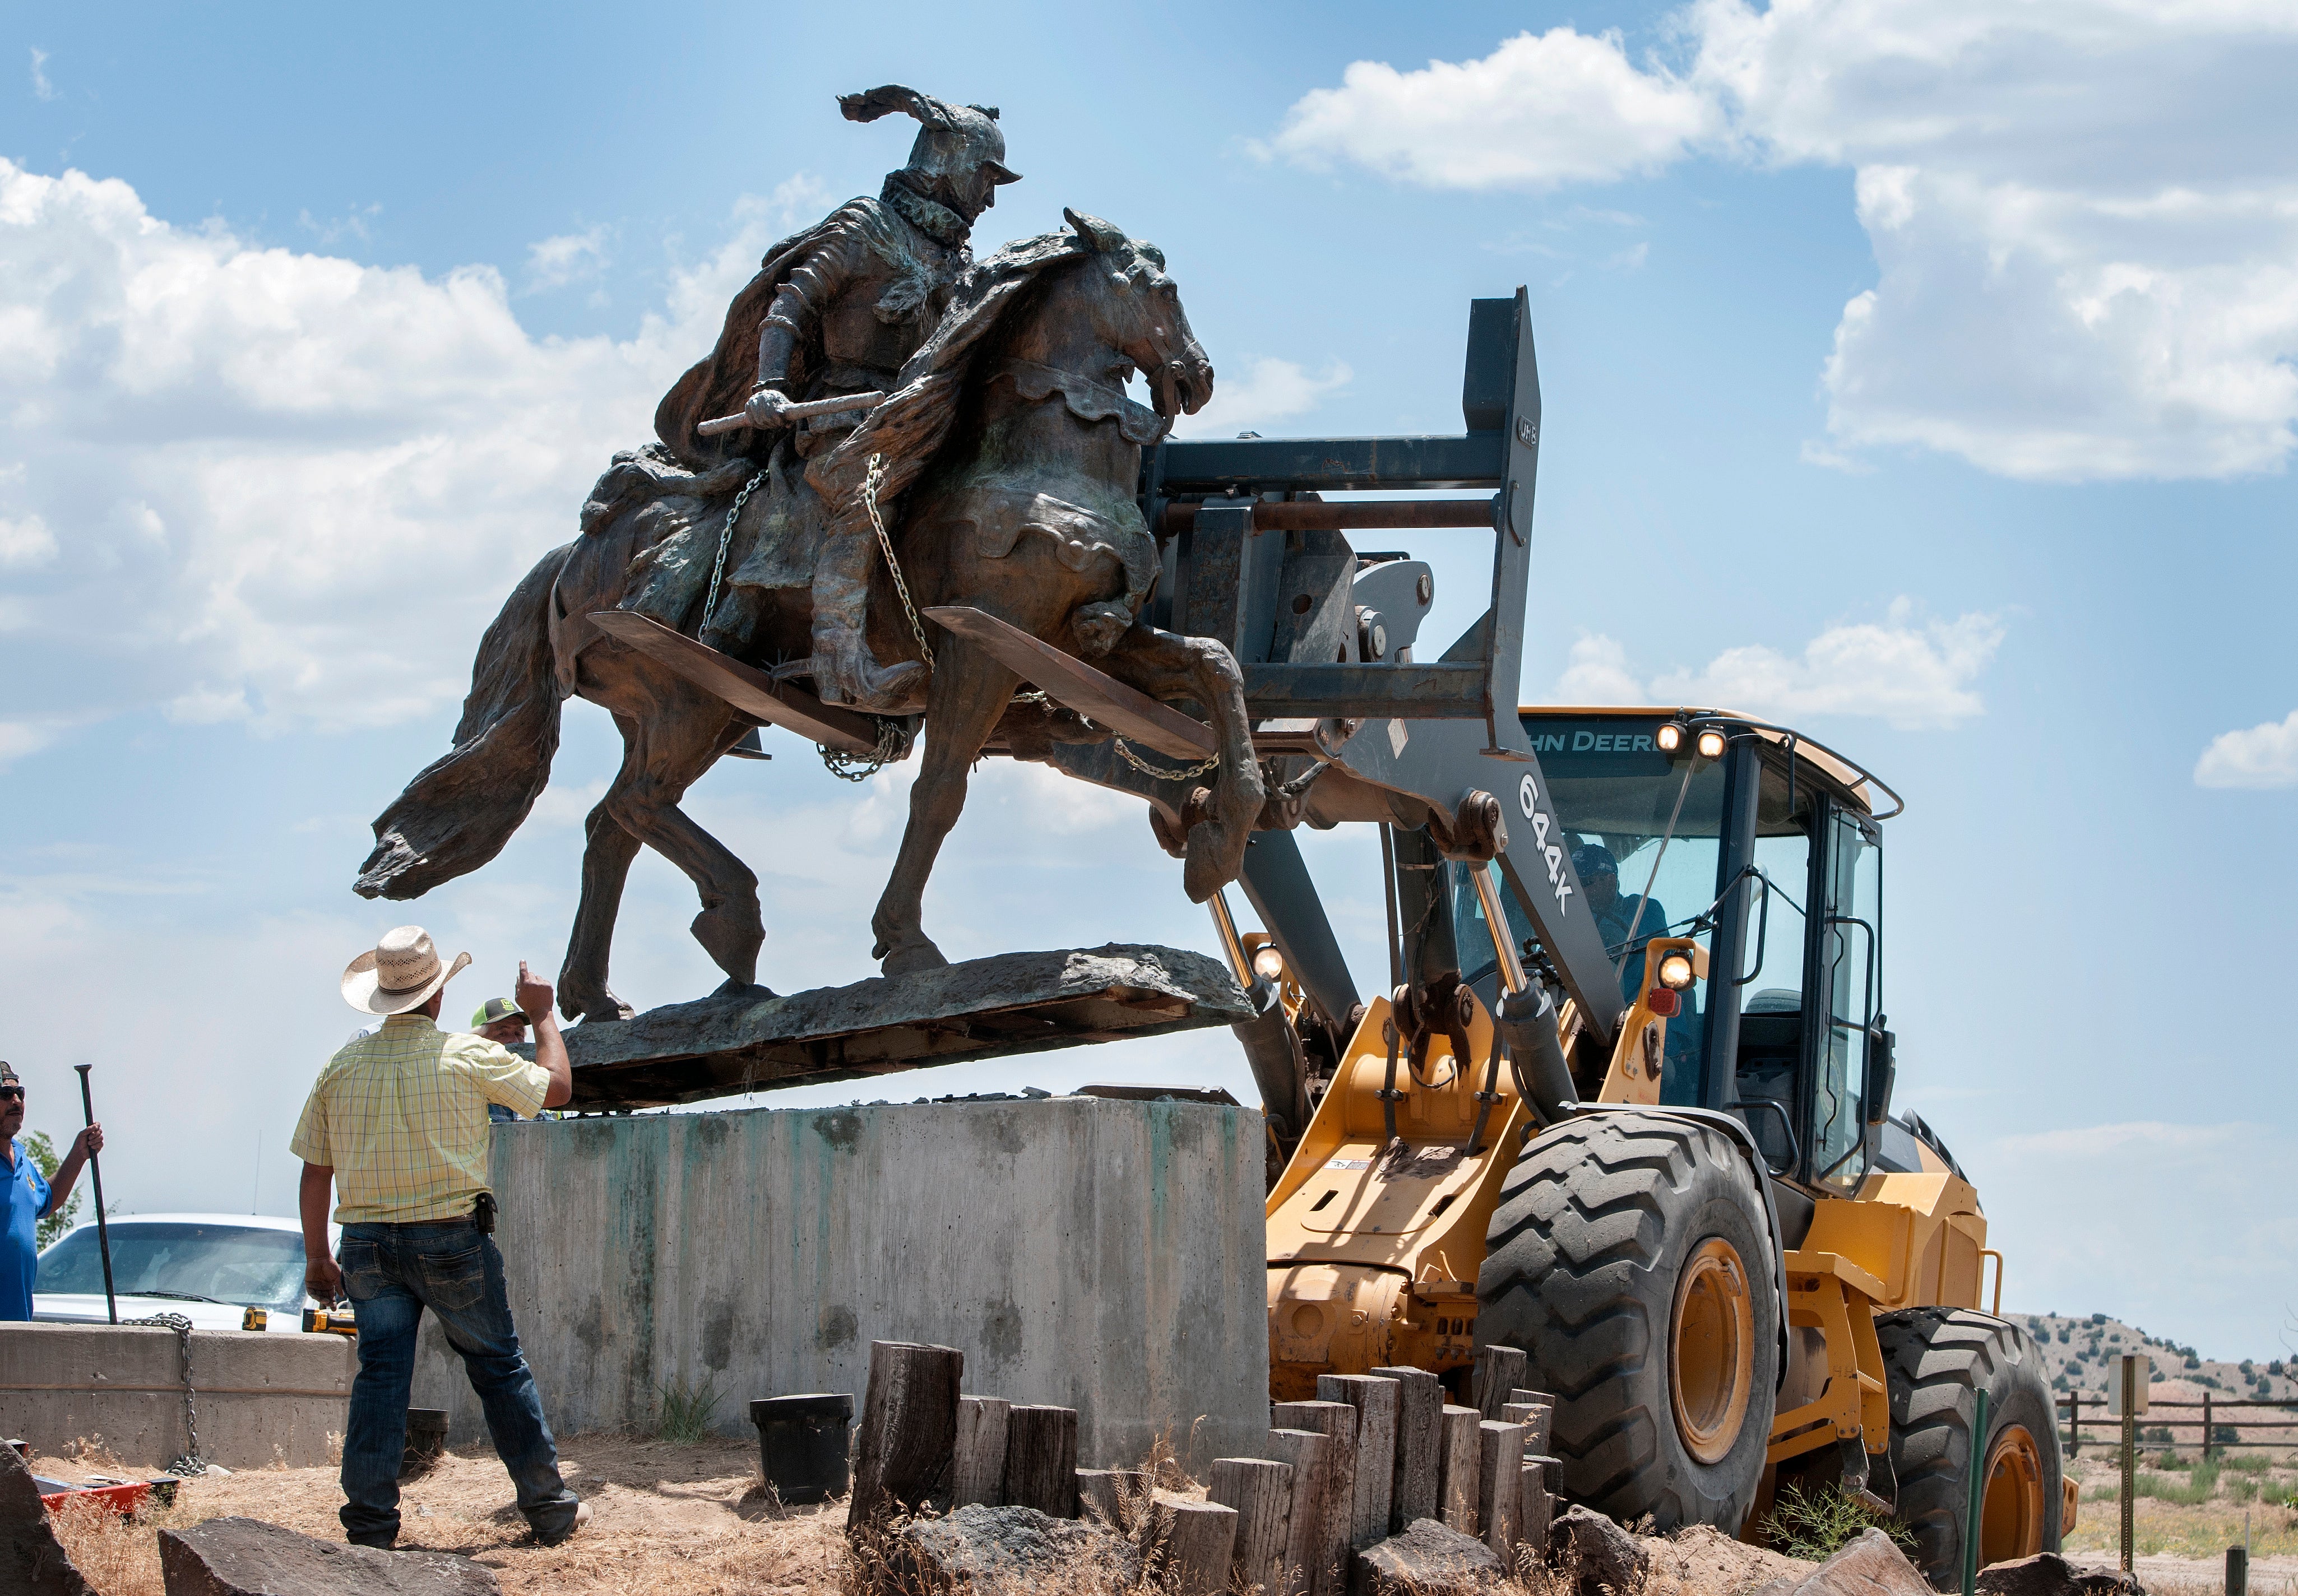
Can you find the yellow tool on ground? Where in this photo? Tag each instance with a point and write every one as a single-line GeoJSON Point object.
{"type": "Point", "coordinates": [1735, 1269]}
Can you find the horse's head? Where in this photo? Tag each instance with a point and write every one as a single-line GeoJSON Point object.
{"type": "Point", "coordinates": [1136, 309]}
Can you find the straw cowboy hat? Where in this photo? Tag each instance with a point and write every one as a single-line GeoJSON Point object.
{"type": "Point", "coordinates": [401, 974]}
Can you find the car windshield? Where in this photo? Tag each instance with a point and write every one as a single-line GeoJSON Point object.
{"type": "Point", "coordinates": [240, 1264]}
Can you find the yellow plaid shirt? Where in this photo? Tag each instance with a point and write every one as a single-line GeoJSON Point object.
{"type": "Point", "coordinates": [401, 1118]}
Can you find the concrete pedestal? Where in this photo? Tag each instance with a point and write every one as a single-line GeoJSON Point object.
{"type": "Point", "coordinates": [1095, 1255]}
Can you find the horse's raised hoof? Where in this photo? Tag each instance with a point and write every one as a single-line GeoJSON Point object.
{"type": "Point", "coordinates": [1214, 857]}
{"type": "Point", "coordinates": [601, 1010]}
{"type": "Point", "coordinates": [914, 959]}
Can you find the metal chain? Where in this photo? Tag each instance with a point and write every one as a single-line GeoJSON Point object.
{"type": "Point", "coordinates": [1124, 752]}
{"type": "Point", "coordinates": [191, 1463]}
{"type": "Point", "coordinates": [893, 748]}
{"type": "Point", "coordinates": [870, 479]}
{"type": "Point", "coordinates": [725, 538]}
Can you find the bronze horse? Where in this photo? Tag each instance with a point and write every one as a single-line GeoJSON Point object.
{"type": "Point", "coordinates": [1005, 467]}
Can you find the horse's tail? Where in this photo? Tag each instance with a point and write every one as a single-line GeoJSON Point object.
{"type": "Point", "coordinates": [459, 810]}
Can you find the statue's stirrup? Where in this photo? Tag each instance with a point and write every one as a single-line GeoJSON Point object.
{"type": "Point", "coordinates": [877, 690]}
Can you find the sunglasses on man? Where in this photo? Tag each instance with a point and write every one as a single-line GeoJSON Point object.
{"type": "Point", "coordinates": [11, 1094]}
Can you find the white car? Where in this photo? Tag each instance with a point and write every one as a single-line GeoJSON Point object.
{"type": "Point", "coordinates": [210, 1267]}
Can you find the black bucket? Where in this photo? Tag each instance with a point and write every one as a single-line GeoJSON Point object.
{"type": "Point", "coordinates": [802, 1445]}
{"type": "Point", "coordinates": [426, 1442]}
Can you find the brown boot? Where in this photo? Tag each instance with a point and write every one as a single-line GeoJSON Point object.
{"type": "Point", "coordinates": [845, 671]}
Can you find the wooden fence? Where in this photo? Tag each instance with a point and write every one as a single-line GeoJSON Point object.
{"type": "Point", "coordinates": [2207, 1429]}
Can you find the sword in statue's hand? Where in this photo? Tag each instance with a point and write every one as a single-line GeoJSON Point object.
{"type": "Point", "coordinates": [836, 405]}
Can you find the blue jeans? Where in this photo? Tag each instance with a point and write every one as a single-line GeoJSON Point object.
{"type": "Point", "coordinates": [393, 1273]}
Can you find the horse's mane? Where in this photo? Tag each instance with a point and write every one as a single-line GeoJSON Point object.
{"type": "Point", "coordinates": [910, 427]}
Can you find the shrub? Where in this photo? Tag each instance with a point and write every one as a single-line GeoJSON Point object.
{"type": "Point", "coordinates": [686, 1411]}
{"type": "Point", "coordinates": [2253, 1462]}
{"type": "Point", "coordinates": [2197, 1487]}
{"type": "Point", "coordinates": [1815, 1524]}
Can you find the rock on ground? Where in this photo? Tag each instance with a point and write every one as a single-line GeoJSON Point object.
{"type": "Point", "coordinates": [1429, 1558]}
{"type": "Point", "coordinates": [1606, 1558]}
{"type": "Point", "coordinates": [1700, 1557]}
{"type": "Point", "coordinates": [246, 1556]}
{"type": "Point", "coordinates": [1019, 1546]}
{"type": "Point", "coordinates": [1868, 1565]}
{"type": "Point", "coordinates": [32, 1560]}
{"type": "Point", "coordinates": [2047, 1574]}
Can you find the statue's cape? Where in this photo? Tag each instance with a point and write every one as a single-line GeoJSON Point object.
{"type": "Point", "coordinates": [910, 427]}
{"type": "Point", "coordinates": [719, 383]}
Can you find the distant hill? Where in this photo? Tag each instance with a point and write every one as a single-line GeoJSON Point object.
{"type": "Point", "coordinates": [2079, 1356]}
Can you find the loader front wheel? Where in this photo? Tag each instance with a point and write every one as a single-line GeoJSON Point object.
{"type": "Point", "coordinates": [1936, 1361]}
{"type": "Point", "coordinates": [1631, 1258]}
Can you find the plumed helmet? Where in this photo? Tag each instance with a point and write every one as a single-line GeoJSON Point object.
{"type": "Point", "coordinates": [954, 141]}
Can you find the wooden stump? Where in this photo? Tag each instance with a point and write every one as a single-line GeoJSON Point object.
{"type": "Point", "coordinates": [1419, 1425]}
{"type": "Point", "coordinates": [1117, 1497]}
{"type": "Point", "coordinates": [980, 1474]}
{"type": "Point", "coordinates": [1539, 1507]}
{"type": "Point", "coordinates": [1500, 1469]}
{"type": "Point", "coordinates": [1538, 1418]}
{"type": "Point", "coordinates": [1041, 1453]}
{"type": "Point", "coordinates": [906, 1448]}
{"type": "Point", "coordinates": [1457, 1455]}
{"type": "Point", "coordinates": [1500, 1370]}
{"type": "Point", "coordinates": [1543, 1426]}
{"type": "Point", "coordinates": [1374, 1399]}
{"type": "Point", "coordinates": [1338, 1423]}
{"type": "Point", "coordinates": [1189, 1546]}
{"type": "Point", "coordinates": [1311, 1455]}
{"type": "Point", "coordinates": [1261, 1492]}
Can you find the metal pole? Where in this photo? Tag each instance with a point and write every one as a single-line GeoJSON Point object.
{"type": "Point", "coordinates": [95, 1177]}
{"type": "Point", "coordinates": [1972, 1514]}
{"type": "Point", "coordinates": [2130, 1457]}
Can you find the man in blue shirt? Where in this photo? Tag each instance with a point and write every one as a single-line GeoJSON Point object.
{"type": "Point", "coordinates": [31, 1198]}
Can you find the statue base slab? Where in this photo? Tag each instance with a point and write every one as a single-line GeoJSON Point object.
{"type": "Point", "coordinates": [740, 1041]}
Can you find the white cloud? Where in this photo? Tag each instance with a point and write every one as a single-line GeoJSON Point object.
{"type": "Point", "coordinates": [27, 541]}
{"type": "Point", "coordinates": [1911, 675]}
{"type": "Point", "coordinates": [309, 480]}
{"type": "Point", "coordinates": [568, 258]}
{"type": "Point", "coordinates": [41, 87]}
{"type": "Point", "coordinates": [2262, 756]}
{"type": "Point", "coordinates": [1271, 390]}
{"type": "Point", "coordinates": [1542, 110]}
{"type": "Point", "coordinates": [2088, 240]}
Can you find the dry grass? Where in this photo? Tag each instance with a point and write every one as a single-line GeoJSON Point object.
{"type": "Point", "coordinates": [2197, 1514]}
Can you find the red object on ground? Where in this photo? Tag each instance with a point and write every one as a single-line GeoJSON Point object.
{"type": "Point", "coordinates": [124, 1499]}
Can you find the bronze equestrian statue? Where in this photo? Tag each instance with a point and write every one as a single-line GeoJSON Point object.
{"type": "Point", "coordinates": [1002, 468]}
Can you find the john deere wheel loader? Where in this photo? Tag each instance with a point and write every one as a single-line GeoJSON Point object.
{"type": "Point", "coordinates": [1735, 1270]}
{"type": "Point", "coordinates": [1626, 1103]}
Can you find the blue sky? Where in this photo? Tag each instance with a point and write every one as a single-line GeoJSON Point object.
{"type": "Point", "coordinates": [1918, 375]}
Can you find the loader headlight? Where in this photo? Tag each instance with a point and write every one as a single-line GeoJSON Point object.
{"type": "Point", "coordinates": [1710, 745]}
{"type": "Point", "coordinates": [1669, 737]}
{"type": "Point", "coordinates": [1268, 964]}
{"type": "Point", "coordinates": [1676, 971]}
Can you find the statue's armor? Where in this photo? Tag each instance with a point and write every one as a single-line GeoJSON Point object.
{"type": "Point", "coordinates": [866, 292]}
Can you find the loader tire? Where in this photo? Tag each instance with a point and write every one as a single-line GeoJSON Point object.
{"type": "Point", "coordinates": [1936, 1361]}
{"type": "Point", "coordinates": [1627, 1247]}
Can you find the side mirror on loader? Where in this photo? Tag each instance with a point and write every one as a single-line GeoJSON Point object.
{"type": "Point", "coordinates": [1882, 1067]}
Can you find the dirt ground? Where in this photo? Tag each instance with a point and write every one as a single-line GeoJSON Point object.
{"type": "Point", "coordinates": [671, 1521]}
{"type": "Point", "coordinates": [696, 1520]}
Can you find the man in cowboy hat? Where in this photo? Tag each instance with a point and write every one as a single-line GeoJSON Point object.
{"type": "Point", "coordinates": [32, 1196]}
{"type": "Point", "coordinates": [397, 1126]}
{"type": "Point", "coordinates": [500, 1019]}
{"type": "Point", "coordinates": [834, 310]}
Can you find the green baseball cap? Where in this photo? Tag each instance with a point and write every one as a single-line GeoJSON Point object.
{"type": "Point", "coordinates": [494, 1009]}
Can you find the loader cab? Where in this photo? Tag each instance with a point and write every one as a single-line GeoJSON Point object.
{"type": "Point", "coordinates": [1764, 849]}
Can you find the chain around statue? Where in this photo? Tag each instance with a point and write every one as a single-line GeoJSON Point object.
{"type": "Point", "coordinates": [191, 1463]}
{"type": "Point", "coordinates": [870, 480]}
{"type": "Point", "coordinates": [725, 538]}
{"type": "Point", "coordinates": [1124, 752]}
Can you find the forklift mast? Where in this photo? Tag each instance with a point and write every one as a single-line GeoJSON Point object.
{"type": "Point", "coordinates": [1354, 723]}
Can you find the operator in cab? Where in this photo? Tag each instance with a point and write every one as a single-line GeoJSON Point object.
{"type": "Point", "coordinates": [1628, 922]}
